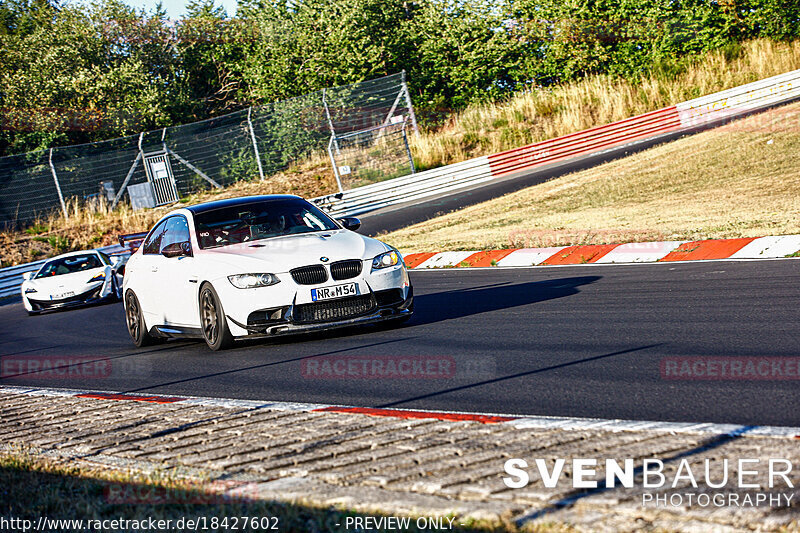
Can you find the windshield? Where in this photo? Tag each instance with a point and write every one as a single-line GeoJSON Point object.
{"type": "Point", "coordinates": [69, 265]}
{"type": "Point", "coordinates": [259, 220]}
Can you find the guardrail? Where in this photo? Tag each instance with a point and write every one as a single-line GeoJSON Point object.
{"type": "Point", "coordinates": [685, 116]}
{"type": "Point", "coordinates": [11, 277]}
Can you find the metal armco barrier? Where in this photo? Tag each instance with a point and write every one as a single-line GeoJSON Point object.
{"type": "Point", "coordinates": [685, 116]}
{"type": "Point", "coordinates": [701, 111]}
{"type": "Point", "coordinates": [408, 188]}
{"type": "Point", "coordinates": [11, 277]}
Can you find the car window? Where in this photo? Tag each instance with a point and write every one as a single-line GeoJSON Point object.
{"type": "Point", "coordinates": [69, 265]}
{"type": "Point", "coordinates": [259, 220]}
{"type": "Point", "coordinates": [152, 244]}
{"type": "Point", "coordinates": [177, 230]}
{"type": "Point", "coordinates": [105, 258]}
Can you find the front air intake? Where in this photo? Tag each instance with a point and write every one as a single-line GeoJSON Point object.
{"type": "Point", "coordinates": [346, 269]}
{"type": "Point", "coordinates": [309, 275]}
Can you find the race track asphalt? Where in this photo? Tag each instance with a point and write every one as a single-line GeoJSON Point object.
{"type": "Point", "coordinates": [579, 341]}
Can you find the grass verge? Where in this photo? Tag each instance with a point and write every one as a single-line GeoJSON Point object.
{"type": "Point", "coordinates": [739, 180]}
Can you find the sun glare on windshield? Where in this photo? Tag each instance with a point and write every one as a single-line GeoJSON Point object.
{"type": "Point", "coordinates": [259, 220]}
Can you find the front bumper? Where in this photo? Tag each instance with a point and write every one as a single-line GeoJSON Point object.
{"type": "Point", "coordinates": [287, 325]}
{"type": "Point", "coordinates": [288, 308]}
{"type": "Point", "coordinates": [93, 295]}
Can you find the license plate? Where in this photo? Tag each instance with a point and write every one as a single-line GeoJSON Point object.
{"type": "Point", "coordinates": [62, 295]}
{"type": "Point", "coordinates": [337, 291]}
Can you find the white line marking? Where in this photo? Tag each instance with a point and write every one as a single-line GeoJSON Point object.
{"type": "Point", "coordinates": [519, 422]}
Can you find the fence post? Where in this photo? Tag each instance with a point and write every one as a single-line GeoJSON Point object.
{"type": "Point", "coordinates": [391, 111]}
{"type": "Point", "coordinates": [330, 123]}
{"type": "Point", "coordinates": [58, 185]}
{"type": "Point", "coordinates": [185, 162]}
{"type": "Point", "coordinates": [255, 144]}
{"type": "Point", "coordinates": [408, 150]}
{"type": "Point", "coordinates": [409, 104]}
{"type": "Point", "coordinates": [333, 162]}
{"type": "Point", "coordinates": [192, 167]}
{"type": "Point", "coordinates": [130, 174]}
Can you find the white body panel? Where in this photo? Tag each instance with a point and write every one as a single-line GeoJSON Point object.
{"type": "Point", "coordinates": [168, 288]}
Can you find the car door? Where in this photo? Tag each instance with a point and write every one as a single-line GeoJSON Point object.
{"type": "Point", "coordinates": [144, 276]}
{"type": "Point", "coordinates": [179, 286]}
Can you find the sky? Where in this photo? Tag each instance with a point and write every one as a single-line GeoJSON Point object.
{"type": "Point", "coordinates": [177, 8]}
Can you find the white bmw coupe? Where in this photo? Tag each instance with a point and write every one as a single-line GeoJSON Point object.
{"type": "Point", "coordinates": [73, 279]}
{"type": "Point", "coordinates": [259, 266]}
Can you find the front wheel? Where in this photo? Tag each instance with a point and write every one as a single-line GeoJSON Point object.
{"type": "Point", "coordinates": [213, 321]}
{"type": "Point", "coordinates": [136, 326]}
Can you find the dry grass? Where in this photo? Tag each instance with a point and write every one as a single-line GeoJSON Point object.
{"type": "Point", "coordinates": [479, 130]}
{"type": "Point", "coordinates": [741, 180]}
{"type": "Point", "coordinates": [597, 100]}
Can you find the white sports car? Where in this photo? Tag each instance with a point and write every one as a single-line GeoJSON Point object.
{"type": "Point", "coordinates": [259, 266]}
{"type": "Point", "coordinates": [72, 279]}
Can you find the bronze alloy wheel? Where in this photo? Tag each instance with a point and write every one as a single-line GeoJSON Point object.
{"type": "Point", "coordinates": [212, 320]}
{"type": "Point", "coordinates": [136, 326]}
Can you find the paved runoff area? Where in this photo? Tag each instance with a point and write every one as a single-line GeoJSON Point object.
{"type": "Point", "coordinates": [526, 470]}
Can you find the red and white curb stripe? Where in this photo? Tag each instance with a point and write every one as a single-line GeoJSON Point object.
{"type": "Point", "coordinates": [517, 421]}
{"type": "Point", "coordinates": [639, 252]}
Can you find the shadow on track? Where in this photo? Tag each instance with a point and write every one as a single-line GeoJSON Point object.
{"type": "Point", "coordinates": [431, 308]}
{"type": "Point", "coordinates": [519, 375]}
{"type": "Point", "coordinates": [435, 307]}
{"type": "Point", "coordinates": [446, 305]}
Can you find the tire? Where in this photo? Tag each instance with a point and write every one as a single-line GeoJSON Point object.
{"type": "Point", "coordinates": [135, 322]}
{"type": "Point", "coordinates": [212, 320]}
{"type": "Point", "coordinates": [33, 313]}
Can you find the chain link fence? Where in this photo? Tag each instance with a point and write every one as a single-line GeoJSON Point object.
{"type": "Point", "coordinates": [372, 155]}
{"type": "Point", "coordinates": [156, 167]}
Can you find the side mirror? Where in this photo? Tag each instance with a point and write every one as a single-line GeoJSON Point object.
{"type": "Point", "coordinates": [177, 249]}
{"type": "Point", "coordinates": [351, 223]}
{"type": "Point", "coordinates": [28, 275]}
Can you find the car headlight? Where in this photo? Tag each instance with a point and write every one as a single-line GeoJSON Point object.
{"type": "Point", "coordinates": [30, 290]}
{"type": "Point", "coordinates": [251, 281]}
{"type": "Point", "coordinates": [97, 277]}
{"type": "Point", "coordinates": [386, 260]}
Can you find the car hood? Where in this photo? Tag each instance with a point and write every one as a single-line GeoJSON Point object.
{"type": "Point", "coordinates": [282, 254]}
{"type": "Point", "coordinates": [76, 282]}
